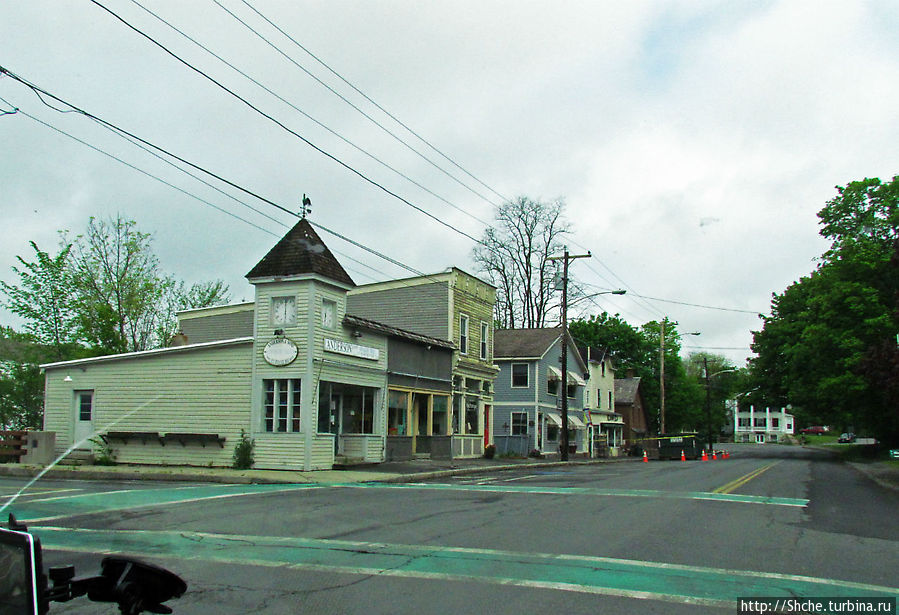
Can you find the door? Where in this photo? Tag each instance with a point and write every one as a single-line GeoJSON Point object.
{"type": "Point", "coordinates": [486, 426]}
{"type": "Point", "coordinates": [84, 418]}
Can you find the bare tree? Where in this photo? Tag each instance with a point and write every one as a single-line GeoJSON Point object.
{"type": "Point", "coordinates": [514, 254]}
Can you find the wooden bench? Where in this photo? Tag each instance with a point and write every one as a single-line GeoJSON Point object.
{"type": "Point", "coordinates": [200, 438]}
{"type": "Point", "coordinates": [126, 436]}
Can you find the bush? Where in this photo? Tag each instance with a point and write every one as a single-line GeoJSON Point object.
{"type": "Point", "coordinates": [490, 451]}
{"type": "Point", "coordinates": [243, 452]}
{"type": "Point", "coordinates": [104, 456]}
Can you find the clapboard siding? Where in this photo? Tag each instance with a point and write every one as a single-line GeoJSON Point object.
{"type": "Point", "coordinates": [215, 327]}
{"type": "Point", "coordinates": [422, 308]}
{"type": "Point", "coordinates": [203, 390]}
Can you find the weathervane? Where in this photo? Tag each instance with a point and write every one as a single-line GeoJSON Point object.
{"type": "Point", "coordinates": [307, 209]}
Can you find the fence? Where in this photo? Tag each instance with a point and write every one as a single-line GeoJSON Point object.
{"type": "Point", "coordinates": [12, 445]}
{"type": "Point", "coordinates": [512, 445]}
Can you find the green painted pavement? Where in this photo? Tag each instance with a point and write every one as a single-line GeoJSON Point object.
{"type": "Point", "coordinates": [29, 509]}
{"type": "Point", "coordinates": [631, 493]}
{"type": "Point", "coordinates": [585, 574]}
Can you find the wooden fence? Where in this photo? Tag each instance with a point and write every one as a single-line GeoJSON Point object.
{"type": "Point", "coordinates": [12, 445]}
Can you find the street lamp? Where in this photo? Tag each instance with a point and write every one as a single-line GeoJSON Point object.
{"type": "Point", "coordinates": [708, 396]}
{"type": "Point", "coordinates": [662, 372]}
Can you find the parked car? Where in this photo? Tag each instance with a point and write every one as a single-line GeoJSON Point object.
{"type": "Point", "coordinates": [814, 429]}
{"type": "Point", "coordinates": [846, 438]}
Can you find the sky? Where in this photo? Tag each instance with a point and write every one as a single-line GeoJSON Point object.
{"type": "Point", "coordinates": [693, 142]}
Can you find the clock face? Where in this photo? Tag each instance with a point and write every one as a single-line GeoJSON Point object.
{"type": "Point", "coordinates": [284, 310]}
{"type": "Point", "coordinates": [328, 310]}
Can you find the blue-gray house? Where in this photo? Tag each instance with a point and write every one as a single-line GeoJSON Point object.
{"type": "Point", "coordinates": [527, 392]}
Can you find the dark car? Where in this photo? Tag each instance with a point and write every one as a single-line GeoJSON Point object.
{"type": "Point", "coordinates": [846, 438]}
{"type": "Point", "coordinates": [814, 429]}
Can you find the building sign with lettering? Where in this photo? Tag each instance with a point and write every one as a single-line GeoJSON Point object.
{"type": "Point", "coordinates": [352, 350]}
{"type": "Point", "coordinates": [280, 351]}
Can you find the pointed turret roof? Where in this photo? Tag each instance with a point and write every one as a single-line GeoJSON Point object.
{"type": "Point", "coordinates": [301, 251]}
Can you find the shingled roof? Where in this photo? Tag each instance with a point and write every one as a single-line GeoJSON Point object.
{"type": "Point", "coordinates": [523, 343]}
{"type": "Point", "coordinates": [300, 251]}
{"type": "Point", "coordinates": [626, 391]}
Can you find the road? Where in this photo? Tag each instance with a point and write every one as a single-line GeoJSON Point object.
{"type": "Point", "coordinates": [630, 537]}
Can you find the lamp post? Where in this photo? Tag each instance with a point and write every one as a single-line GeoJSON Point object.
{"type": "Point", "coordinates": [708, 397]}
{"type": "Point", "coordinates": [662, 372]}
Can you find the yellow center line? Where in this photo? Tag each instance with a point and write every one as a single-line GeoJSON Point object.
{"type": "Point", "coordinates": [744, 479]}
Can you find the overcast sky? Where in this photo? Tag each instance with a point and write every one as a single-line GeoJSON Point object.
{"type": "Point", "coordinates": [693, 141]}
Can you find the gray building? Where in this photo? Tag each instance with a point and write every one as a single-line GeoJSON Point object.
{"type": "Point", "coordinates": [527, 394]}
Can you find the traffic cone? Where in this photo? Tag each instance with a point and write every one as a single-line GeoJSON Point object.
{"type": "Point", "coordinates": [726, 455]}
{"type": "Point", "coordinates": [714, 456]}
{"type": "Point", "coordinates": [682, 456]}
{"type": "Point", "coordinates": [645, 458]}
{"type": "Point", "coordinates": [704, 456]}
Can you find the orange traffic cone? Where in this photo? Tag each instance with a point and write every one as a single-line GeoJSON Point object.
{"type": "Point", "coordinates": [682, 456]}
{"type": "Point", "coordinates": [704, 456]}
{"type": "Point", "coordinates": [726, 455]}
{"type": "Point", "coordinates": [714, 456]}
{"type": "Point", "coordinates": [645, 458]}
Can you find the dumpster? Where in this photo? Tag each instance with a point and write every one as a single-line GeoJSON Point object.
{"type": "Point", "coordinates": [671, 445]}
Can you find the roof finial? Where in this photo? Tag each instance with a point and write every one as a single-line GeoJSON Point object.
{"type": "Point", "coordinates": [307, 209]}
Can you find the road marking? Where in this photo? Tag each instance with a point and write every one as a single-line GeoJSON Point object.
{"type": "Point", "coordinates": [630, 493]}
{"type": "Point", "coordinates": [739, 482]}
{"type": "Point", "coordinates": [62, 507]}
{"type": "Point", "coordinates": [34, 492]}
{"type": "Point", "coordinates": [509, 480]}
{"type": "Point", "coordinates": [576, 573]}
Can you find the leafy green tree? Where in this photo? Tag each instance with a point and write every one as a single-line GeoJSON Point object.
{"type": "Point", "coordinates": [815, 350]}
{"type": "Point", "coordinates": [45, 297]}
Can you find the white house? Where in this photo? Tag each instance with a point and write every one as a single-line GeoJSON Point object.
{"type": "Point", "coordinates": [761, 425]}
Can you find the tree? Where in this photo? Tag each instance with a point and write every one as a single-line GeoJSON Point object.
{"type": "Point", "coordinates": [719, 380]}
{"type": "Point", "coordinates": [514, 254]}
{"type": "Point", "coordinates": [125, 302]}
{"type": "Point", "coordinates": [815, 350]}
{"type": "Point", "coordinates": [45, 298]}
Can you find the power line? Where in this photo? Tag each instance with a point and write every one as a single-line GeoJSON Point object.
{"type": "Point", "coordinates": [347, 101]}
{"type": "Point", "coordinates": [281, 125]}
{"type": "Point", "coordinates": [306, 115]}
{"type": "Point", "coordinates": [379, 107]}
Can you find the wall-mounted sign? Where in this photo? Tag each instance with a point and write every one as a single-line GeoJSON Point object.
{"type": "Point", "coordinates": [280, 351]}
{"type": "Point", "coordinates": [352, 350]}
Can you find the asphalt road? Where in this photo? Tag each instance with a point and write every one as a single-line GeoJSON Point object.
{"type": "Point", "coordinates": [660, 537]}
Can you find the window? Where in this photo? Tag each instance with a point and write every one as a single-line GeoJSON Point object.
{"type": "Point", "coordinates": [519, 375]}
{"type": "Point", "coordinates": [457, 414]}
{"type": "Point", "coordinates": [463, 334]}
{"type": "Point", "coordinates": [611, 405]}
{"type": "Point", "coordinates": [603, 365]}
{"type": "Point", "coordinates": [599, 399]}
{"type": "Point", "coordinates": [358, 405]}
{"type": "Point", "coordinates": [572, 390]}
{"type": "Point", "coordinates": [759, 422]}
{"type": "Point", "coordinates": [471, 415]}
{"type": "Point", "coordinates": [743, 423]}
{"type": "Point", "coordinates": [552, 385]}
{"type": "Point", "coordinates": [775, 423]}
{"type": "Point", "coordinates": [281, 404]}
{"type": "Point", "coordinates": [484, 333]}
{"type": "Point", "coordinates": [85, 405]}
{"type": "Point", "coordinates": [397, 404]}
{"type": "Point", "coordinates": [439, 415]}
{"type": "Point", "coordinates": [519, 423]}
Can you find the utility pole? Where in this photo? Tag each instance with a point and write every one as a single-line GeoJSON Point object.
{"type": "Point", "coordinates": [563, 436]}
{"type": "Point", "coordinates": [662, 376]}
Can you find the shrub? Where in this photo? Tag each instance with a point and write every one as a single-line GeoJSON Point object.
{"type": "Point", "coordinates": [243, 452]}
{"type": "Point", "coordinates": [104, 456]}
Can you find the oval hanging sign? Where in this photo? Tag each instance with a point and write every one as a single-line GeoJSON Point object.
{"type": "Point", "coordinates": [280, 351]}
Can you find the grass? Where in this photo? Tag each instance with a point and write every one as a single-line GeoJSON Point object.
{"type": "Point", "coordinates": [822, 439]}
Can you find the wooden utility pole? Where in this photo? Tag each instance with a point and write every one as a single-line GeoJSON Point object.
{"type": "Point", "coordinates": [563, 436]}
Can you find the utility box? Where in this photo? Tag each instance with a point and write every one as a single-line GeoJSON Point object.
{"type": "Point", "coordinates": [671, 445]}
{"type": "Point", "coordinates": [39, 447]}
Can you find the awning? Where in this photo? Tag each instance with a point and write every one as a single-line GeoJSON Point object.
{"type": "Point", "coordinates": [574, 420]}
{"type": "Point", "coordinates": [576, 378]}
{"type": "Point", "coordinates": [552, 417]}
{"type": "Point", "coordinates": [554, 373]}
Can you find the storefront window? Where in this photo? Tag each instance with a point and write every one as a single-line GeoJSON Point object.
{"type": "Point", "coordinates": [457, 414]}
{"type": "Point", "coordinates": [519, 423]}
{"type": "Point", "coordinates": [397, 404]}
{"type": "Point", "coordinates": [471, 415]}
{"type": "Point", "coordinates": [439, 415]}
{"type": "Point", "coordinates": [358, 410]}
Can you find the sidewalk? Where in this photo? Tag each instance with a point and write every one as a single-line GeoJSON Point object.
{"type": "Point", "coordinates": [391, 471]}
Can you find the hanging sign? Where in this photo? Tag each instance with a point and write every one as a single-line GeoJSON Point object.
{"type": "Point", "coordinates": [279, 352]}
